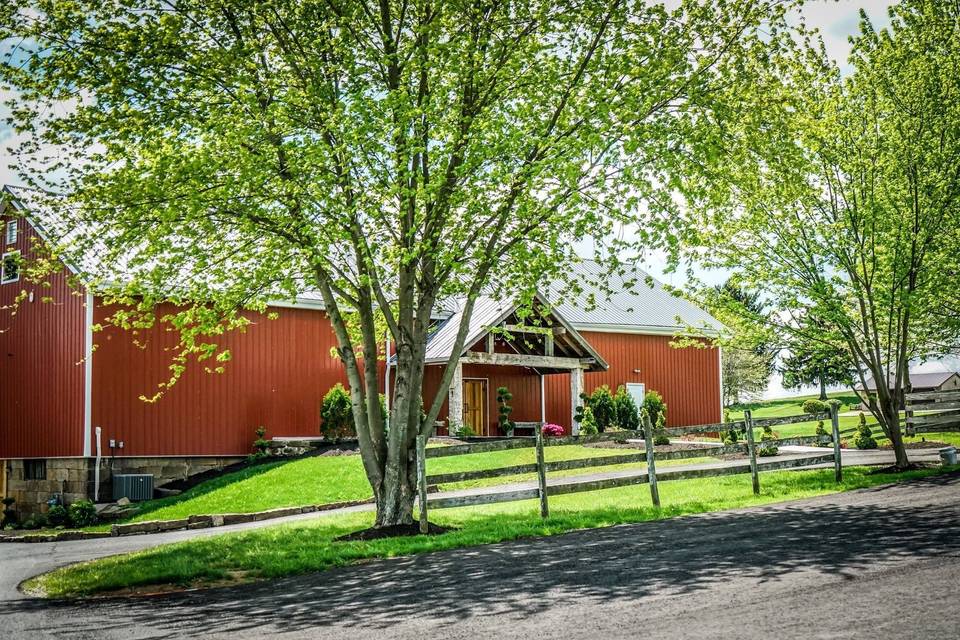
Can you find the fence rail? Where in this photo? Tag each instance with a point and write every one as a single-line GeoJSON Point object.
{"type": "Point", "coordinates": [649, 475]}
{"type": "Point", "coordinates": [941, 412]}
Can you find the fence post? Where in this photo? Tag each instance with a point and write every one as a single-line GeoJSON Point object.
{"type": "Point", "coordinates": [651, 465]}
{"type": "Point", "coordinates": [542, 476]}
{"type": "Point", "coordinates": [422, 481]}
{"type": "Point", "coordinates": [835, 423]}
{"type": "Point", "coordinates": [751, 450]}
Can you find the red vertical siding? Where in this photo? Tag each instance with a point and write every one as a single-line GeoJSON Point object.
{"type": "Point", "coordinates": [279, 372]}
{"type": "Point", "coordinates": [688, 379]}
{"type": "Point", "coordinates": [41, 362]}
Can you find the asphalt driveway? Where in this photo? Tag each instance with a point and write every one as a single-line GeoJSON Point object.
{"type": "Point", "coordinates": [876, 563]}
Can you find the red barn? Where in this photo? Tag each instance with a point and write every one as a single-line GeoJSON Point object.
{"type": "Point", "coordinates": [62, 382]}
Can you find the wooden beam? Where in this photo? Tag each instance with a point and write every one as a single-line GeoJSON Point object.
{"type": "Point", "coordinates": [525, 360]}
{"type": "Point", "coordinates": [520, 328]}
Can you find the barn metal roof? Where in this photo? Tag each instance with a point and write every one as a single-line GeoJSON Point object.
{"type": "Point", "coordinates": [919, 381]}
{"type": "Point", "coordinates": [628, 300]}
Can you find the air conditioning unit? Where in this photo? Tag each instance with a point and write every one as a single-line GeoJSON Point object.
{"type": "Point", "coordinates": [135, 487]}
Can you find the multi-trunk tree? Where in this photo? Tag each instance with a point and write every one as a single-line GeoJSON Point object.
{"type": "Point", "coordinates": [841, 201]}
{"type": "Point", "coordinates": [388, 155]}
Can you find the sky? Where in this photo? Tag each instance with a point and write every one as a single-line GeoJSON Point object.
{"type": "Point", "coordinates": [836, 20]}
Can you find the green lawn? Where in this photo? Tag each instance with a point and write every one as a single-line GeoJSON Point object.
{"type": "Point", "coordinates": [328, 479]}
{"type": "Point", "coordinates": [297, 548]}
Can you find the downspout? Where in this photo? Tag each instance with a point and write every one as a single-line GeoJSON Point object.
{"type": "Point", "coordinates": [96, 470]}
{"type": "Point", "coordinates": [386, 383]}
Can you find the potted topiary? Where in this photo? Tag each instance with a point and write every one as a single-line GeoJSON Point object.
{"type": "Point", "coordinates": [504, 410]}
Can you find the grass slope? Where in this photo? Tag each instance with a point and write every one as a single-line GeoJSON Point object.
{"type": "Point", "coordinates": [297, 548]}
{"type": "Point", "coordinates": [327, 479]}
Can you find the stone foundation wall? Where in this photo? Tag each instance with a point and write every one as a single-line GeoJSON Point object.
{"type": "Point", "coordinates": [75, 477]}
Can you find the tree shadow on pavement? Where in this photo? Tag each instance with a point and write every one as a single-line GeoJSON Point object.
{"type": "Point", "coordinates": [519, 579]}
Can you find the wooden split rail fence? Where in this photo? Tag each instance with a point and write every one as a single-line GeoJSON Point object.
{"type": "Point", "coordinates": [649, 456]}
{"type": "Point", "coordinates": [941, 412]}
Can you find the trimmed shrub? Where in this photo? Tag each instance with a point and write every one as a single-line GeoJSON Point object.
{"type": "Point", "coordinates": [655, 407]}
{"type": "Point", "coordinates": [57, 516]}
{"type": "Point", "coordinates": [82, 513]}
{"type": "Point", "coordinates": [813, 406]}
{"type": "Point", "coordinates": [260, 444]}
{"type": "Point", "coordinates": [588, 424]}
{"type": "Point", "coordinates": [604, 411]}
{"type": "Point", "coordinates": [504, 410]}
{"type": "Point", "coordinates": [628, 415]}
{"type": "Point", "coordinates": [824, 438]}
{"type": "Point", "coordinates": [551, 430]}
{"type": "Point", "coordinates": [731, 437]}
{"type": "Point", "coordinates": [9, 513]}
{"type": "Point", "coordinates": [767, 449]}
{"type": "Point", "coordinates": [660, 431]}
{"type": "Point", "coordinates": [864, 438]}
{"type": "Point", "coordinates": [336, 414]}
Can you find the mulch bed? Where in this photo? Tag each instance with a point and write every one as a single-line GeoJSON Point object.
{"type": "Point", "coordinates": [394, 531]}
{"type": "Point", "coordinates": [923, 444]}
{"type": "Point", "coordinates": [913, 466]}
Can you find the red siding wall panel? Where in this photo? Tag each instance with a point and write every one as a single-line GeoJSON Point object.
{"type": "Point", "coordinates": [279, 372]}
{"type": "Point", "coordinates": [41, 362]}
{"type": "Point", "coordinates": [688, 378]}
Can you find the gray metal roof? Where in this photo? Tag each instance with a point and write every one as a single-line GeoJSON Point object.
{"type": "Point", "coordinates": [918, 381]}
{"type": "Point", "coordinates": [635, 301]}
{"type": "Point", "coordinates": [629, 300]}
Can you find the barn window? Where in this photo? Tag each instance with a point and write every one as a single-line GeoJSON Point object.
{"type": "Point", "coordinates": [34, 469]}
{"type": "Point", "coordinates": [10, 268]}
{"type": "Point", "coordinates": [11, 231]}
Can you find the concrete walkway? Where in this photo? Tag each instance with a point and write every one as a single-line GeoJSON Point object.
{"type": "Point", "coordinates": [24, 560]}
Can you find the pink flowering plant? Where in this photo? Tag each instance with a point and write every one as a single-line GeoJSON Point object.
{"type": "Point", "coordinates": [551, 430]}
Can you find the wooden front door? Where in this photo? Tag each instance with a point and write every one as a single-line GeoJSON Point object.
{"type": "Point", "coordinates": [475, 406]}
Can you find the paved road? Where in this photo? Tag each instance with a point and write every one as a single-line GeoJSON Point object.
{"type": "Point", "coordinates": [879, 563]}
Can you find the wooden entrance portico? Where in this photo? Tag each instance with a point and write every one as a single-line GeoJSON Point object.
{"type": "Point", "coordinates": [499, 338]}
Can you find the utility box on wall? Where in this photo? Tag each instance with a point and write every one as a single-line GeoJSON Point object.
{"type": "Point", "coordinates": [135, 487]}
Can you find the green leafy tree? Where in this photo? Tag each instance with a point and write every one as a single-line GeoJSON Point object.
{"type": "Point", "coordinates": [655, 407]}
{"type": "Point", "coordinates": [603, 408]}
{"type": "Point", "coordinates": [840, 202]}
{"type": "Point", "coordinates": [386, 156]}
{"type": "Point", "coordinates": [811, 360]}
{"type": "Point", "coordinates": [864, 438]}
{"type": "Point", "coordinates": [588, 424]}
{"type": "Point", "coordinates": [628, 415]}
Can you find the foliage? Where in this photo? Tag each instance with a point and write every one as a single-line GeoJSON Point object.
{"type": "Point", "coordinates": [336, 414]}
{"type": "Point", "coordinates": [627, 412]}
{"type": "Point", "coordinates": [386, 156]}
{"type": "Point", "coordinates": [603, 407]}
{"type": "Point", "coordinates": [660, 429]}
{"type": "Point", "coordinates": [588, 424]}
{"type": "Point", "coordinates": [260, 444]}
{"type": "Point", "coordinates": [82, 513]}
{"type": "Point", "coordinates": [748, 351]}
{"type": "Point", "coordinates": [731, 436]}
{"type": "Point", "coordinates": [813, 361]}
{"type": "Point", "coordinates": [824, 439]}
{"type": "Point", "coordinates": [9, 513]}
{"type": "Point", "coordinates": [655, 407]}
{"type": "Point", "coordinates": [767, 449]}
{"type": "Point", "coordinates": [58, 516]}
{"type": "Point", "coordinates": [504, 410]}
{"type": "Point", "coordinates": [813, 407]}
{"type": "Point", "coordinates": [462, 430]}
{"type": "Point", "coordinates": [864, 438]}
{"type": "Point", "coordinates": [551, 430]}
{"type": "Point", "coordinates": [840, 205]}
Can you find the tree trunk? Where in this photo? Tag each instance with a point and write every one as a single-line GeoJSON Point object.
{"type": "Point", "coordinates": [396, 495]}
{"type": "Point", "coordinates": [891, 418]}
{"type": "Point", "coordinates": [823, 389]}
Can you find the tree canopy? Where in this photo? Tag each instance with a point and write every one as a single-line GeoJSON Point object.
{"type": "Point", "coordinates": [387, 156]}
{"type": "Point", "coordinates": [840, 201]}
